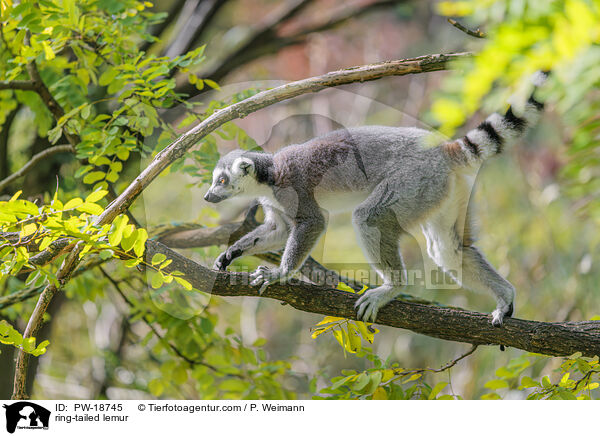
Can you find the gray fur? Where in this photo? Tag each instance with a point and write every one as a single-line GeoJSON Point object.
{"type": "Point", "coordinates": [395, 184]}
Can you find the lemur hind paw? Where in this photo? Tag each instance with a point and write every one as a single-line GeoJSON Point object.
{"type": "Point", "coordinates": [499, 314]}
{"type": "Point", "coordinates": [264, 276]}
{"type": "Point", "coordinates": [371, 301]}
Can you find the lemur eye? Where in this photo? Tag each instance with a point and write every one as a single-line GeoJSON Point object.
{"type": "Point", "coordinates": [222, 181]}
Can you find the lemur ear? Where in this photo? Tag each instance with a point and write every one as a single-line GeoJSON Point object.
{"type": "Point", "coordinates": [242, 166]}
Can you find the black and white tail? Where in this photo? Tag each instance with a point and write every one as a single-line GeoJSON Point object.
{"type": "Point", "coordinates": [489, 137]}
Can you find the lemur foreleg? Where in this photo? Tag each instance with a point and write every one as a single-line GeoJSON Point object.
{"type": "Point", "coordinates": [303, 237]}
{"type": "Point", "coordinates": [269, 236]}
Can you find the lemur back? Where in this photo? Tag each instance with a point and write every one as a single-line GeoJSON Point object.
{"type": "Point", "coordinates": [398, 185]}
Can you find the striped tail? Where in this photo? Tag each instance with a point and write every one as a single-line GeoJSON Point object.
{"type": "Point", "coordinates": [490, 137]}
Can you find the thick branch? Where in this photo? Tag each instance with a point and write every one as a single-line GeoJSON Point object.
{"type": "Point", "coordinates": [34, 161]}
{"type": "Point", "coordinates": [550, 338]}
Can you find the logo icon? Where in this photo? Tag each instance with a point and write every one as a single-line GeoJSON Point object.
{"type": "Point", "coordinates": [26, 415]}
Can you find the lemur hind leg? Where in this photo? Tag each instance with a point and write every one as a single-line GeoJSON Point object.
{"type": "Point", "coordinates": [378, 232]}
{"type": "Point", "coordinates": [451, 248]}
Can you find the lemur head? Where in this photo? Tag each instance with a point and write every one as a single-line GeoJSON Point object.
{"type": "Point", "coordinates": [234, 174]}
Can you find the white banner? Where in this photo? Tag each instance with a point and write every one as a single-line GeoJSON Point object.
{"type": "Point", "coordinates": [281, 418]}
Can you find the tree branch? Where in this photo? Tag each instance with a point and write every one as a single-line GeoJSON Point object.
{"type": "Point", "coordinates": [34, 161]}
{"type": "Point", "coordinates": [265, 41]}
{"type": "Point", "coordinates": [46, 96]}
{"type": "Point", "coordinates": [24, 85]}
{"type": "Point", "coordinates": [194, 26]}
{"type": "Point", "coordinates": [476, 33]}
{"type": "Point", "coordinates": [182, 144]}
{"type": "Point", "coordinates": [162, 26]}
{"type": "Point", "coordinates": [454, 324]}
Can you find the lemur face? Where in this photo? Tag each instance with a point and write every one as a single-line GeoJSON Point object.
{"type": "Point", "coordinates": [230, 177]}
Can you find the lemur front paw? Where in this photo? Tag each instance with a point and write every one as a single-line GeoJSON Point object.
{"type": "Point", "coordinates": [500, 313]}
{"type": "Point", "coordinates": [264, 276]}
{"type": "Point", "coordinates": [224, 259]}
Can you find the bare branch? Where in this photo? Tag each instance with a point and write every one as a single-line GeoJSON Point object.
{"type": "Point", "coordinates": [32, 291]}
{"type": "Point", "coordinates": [151, 327]}
{"type": "Point", "coordinates": [4, 136]}
{"type": "Point", "coordinates": [194, 27]}
{"type": "Point", "coordinates": [35, 321]}
{"type": "Point", "coordinates": [160, 28]}
{"type": "Point", "coordinates": [476, 33]}
{"type": "Point", "coordinates": [265, 40]}
{"type": "Point", "coordinates": [24, 85]}
{"type": "Point", "coordinates": [46, 96]}
{"type": "Point", "coordinates": [42, 155]}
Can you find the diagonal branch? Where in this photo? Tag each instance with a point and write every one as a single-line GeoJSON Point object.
{"type": "Point", "coordinates": [265, 41]}
{"type": "Point", "coordinates": [194, 27]}
{"type": "Point", "coordinates": [454, 324]}
{"type": "Point", "coordinates": [477, 33]}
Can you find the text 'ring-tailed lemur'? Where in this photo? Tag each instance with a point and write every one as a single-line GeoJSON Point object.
{"type": "Point", "coordinates": [400, 186]}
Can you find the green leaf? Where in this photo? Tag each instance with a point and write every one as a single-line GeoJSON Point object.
{"type": "Point", "coordinates": [566, 395]}
{"type": "Point", "coordinates": [436, 390]}
{"type": "Point", "coordinates": [496, 384]}
{"type": "Point", "coordinates": [158, 258]}
{"type": "Point", "coordinates": [93, 177]}
{"type": "Point", "coordinates": [96, 196]}
{"type": "Point", "coordinates": [108, 76]}
{"type": "Point", "coordinates": [361, 382]}
{"type": "Point", "coordinates": [72, 203]}
{"type": "Point", "coordinates": [140, 242]}
{"type": "Point", "coordinates": [156, 387]}
{"type": "Point", "coordinates": [91, 208]}
{"type": "Point", "coordinates": [546, 381]}
{"type": "Point", "coordinates": [180, 375]}
{"type": "Point", "coordinates": [28, 344]}
{"type": "Point", "coordinates": [114, 238]}
{"type": "Point", "coordinates": [128, 241]}
{"type": "Point", "coordinates": [491, 396]}
{"type": "Point", "coordinates": [233, 385]}
{"type": "Point", "coordinates": [187, 285]}
{"type": "Point", "coordinates": [528, 382]}
{"type": "Point", "coordinates": [212, 84]}
{"type": "Point", "coordinates": [157, 280]}
{"type": "Point", "coordinates": [106, 254]}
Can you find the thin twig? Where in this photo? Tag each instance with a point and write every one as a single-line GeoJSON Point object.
{"type": "Point", "coordinates": [156, 332]}
{"type": "Point", "coordinates": [42, 155]}
{"type": "Point", "coordinates": [404, 372]}
{"type": "Point", "coordinates": [476, 33]}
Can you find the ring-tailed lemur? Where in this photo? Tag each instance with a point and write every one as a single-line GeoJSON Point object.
{"type": "Point", "coordinates": [397, 186]}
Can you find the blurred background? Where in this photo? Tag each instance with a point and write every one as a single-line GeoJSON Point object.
{"type": "Point", "coordinates": [530, 231]}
